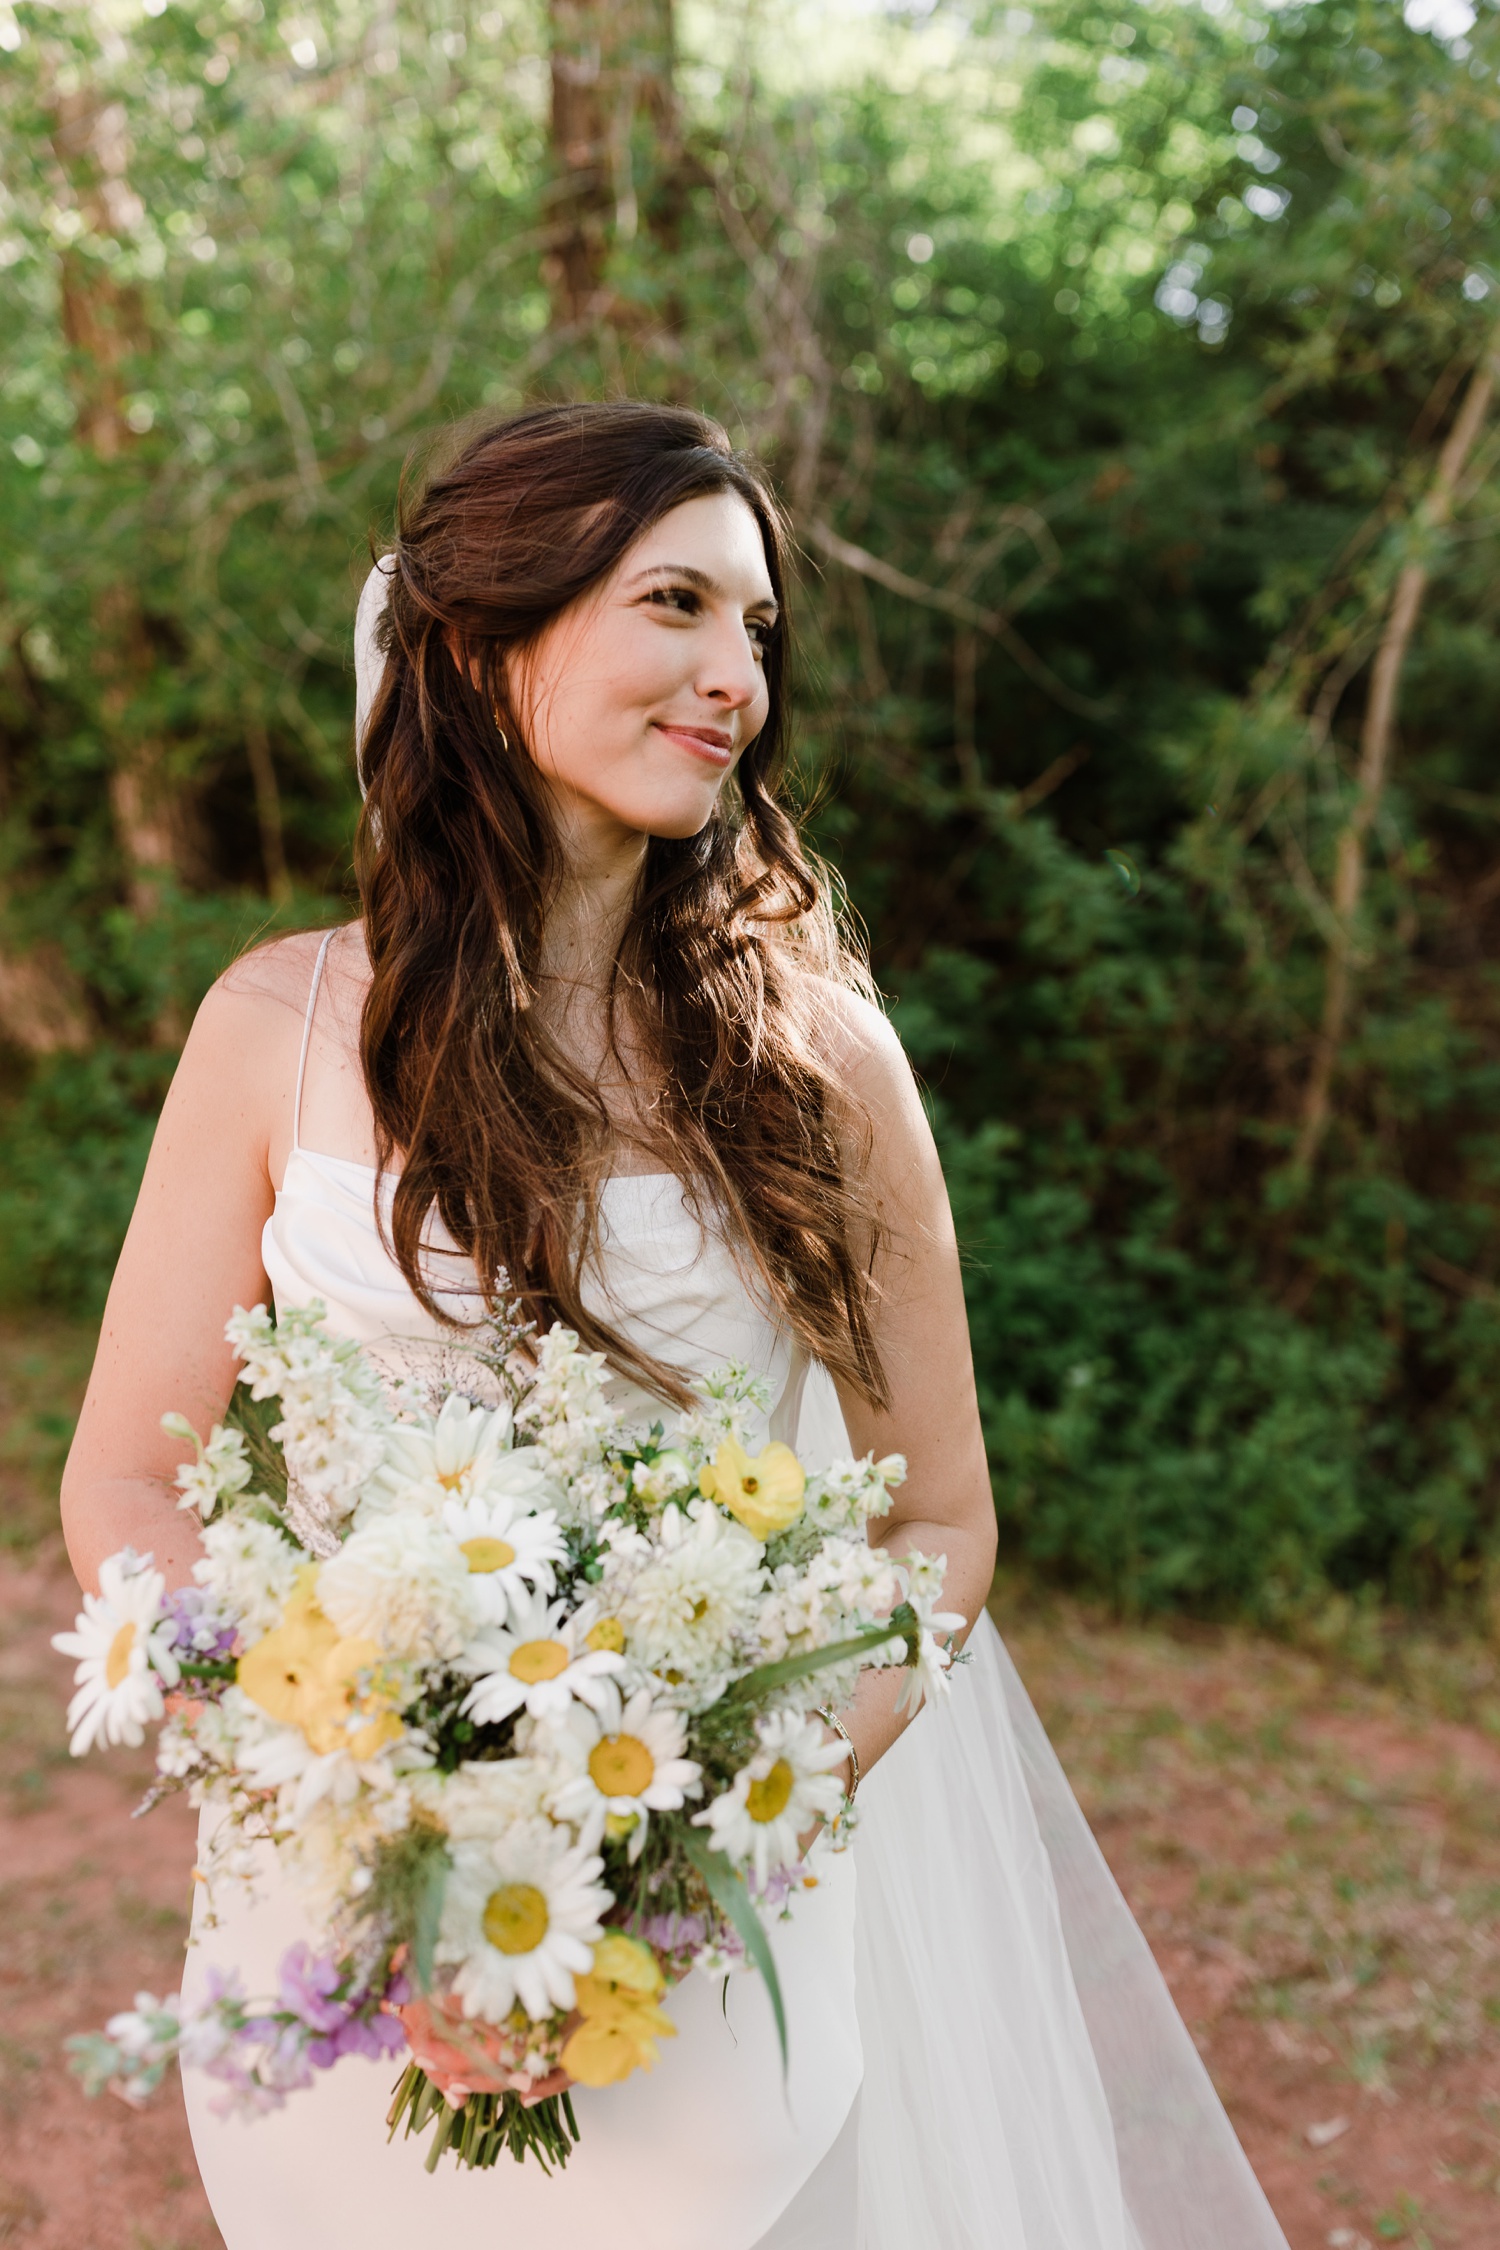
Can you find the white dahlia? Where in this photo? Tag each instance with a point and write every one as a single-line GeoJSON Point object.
{"type": "Point", "coordinates": [123, 1660]}
{"type": "Point", "coordinates": [787, 1786]}
{"type": "Point", "coordinates": [400, 1581]}
{"type": "Point", "coordinates": [485, 1799]}
{"type": "Point", "coordinates": [521, 1915]}
{"type": "Point", "coordinates": [619, 1763]}
{"type": "Point", "coordinates": [542, 1660]}
{"type": "Point", "coordinates": [509, 1550]}
{"type": "Point", "coordinates": [688, 1604]}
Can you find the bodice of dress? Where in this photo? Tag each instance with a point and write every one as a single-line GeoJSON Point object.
{"type": "Point", "coordinates": [660, 1276]}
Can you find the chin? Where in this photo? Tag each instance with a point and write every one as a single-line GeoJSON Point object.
{"type": "Point", "coordinates": [672, 814]}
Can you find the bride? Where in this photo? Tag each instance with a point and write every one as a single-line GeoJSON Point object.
{"type": "Point", "coordinates": [596, 1025]}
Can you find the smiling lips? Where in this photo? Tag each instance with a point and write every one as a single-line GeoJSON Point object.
{"type": "Point", "coordinates": [711, 744]}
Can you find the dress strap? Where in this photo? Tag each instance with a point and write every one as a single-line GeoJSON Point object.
{"type": "Point", "coordinates": [307, 1024]}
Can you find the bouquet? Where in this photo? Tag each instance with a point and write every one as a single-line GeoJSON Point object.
{"type": "Point", "coordinates": [526, 1700]}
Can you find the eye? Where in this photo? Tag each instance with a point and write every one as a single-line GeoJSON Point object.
{"type": "Point", "coordinates": [762, 631]}
{"type": "Point", "coordinates": [684, 600]}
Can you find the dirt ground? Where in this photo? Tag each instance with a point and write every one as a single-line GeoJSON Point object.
{"type": "Point", "coordinates": [1314, 1856]}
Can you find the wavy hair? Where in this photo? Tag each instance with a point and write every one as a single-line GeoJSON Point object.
{"type": "Point", "coordinates": [721, 964]}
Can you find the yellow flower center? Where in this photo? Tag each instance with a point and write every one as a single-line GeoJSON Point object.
{"type": "Point", "coordinates": [487, 1554]}
{"type": "Point", "coordinates": [767, 1799]}
{"type": "Point", "coordinates": [538, 1660]}
{"type": "Point", "coordinates": [117, 1662]}
{"type": "Point", "coordinates": [607, 1637]}
{"type": "Point", "coordinates": [620, 1765]}
{"type": "Point", "coordinates": [515, 1918]}
{"type": "Point", "coordinates": [749, 1484]}
{"type": "Point", "coordinates": [451, 1479]}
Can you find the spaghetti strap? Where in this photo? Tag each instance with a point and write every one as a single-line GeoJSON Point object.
{"type": "Point", "coordinates": [307, 1024]}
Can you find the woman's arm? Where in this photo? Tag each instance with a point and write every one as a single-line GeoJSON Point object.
{"type": "Point", "coordinates": [191, 1255]}
{"type": "Point", "coordinates": [946, 1506]}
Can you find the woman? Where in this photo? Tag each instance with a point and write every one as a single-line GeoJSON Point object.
{"type": "Point", "coordinates": [595, 1030]}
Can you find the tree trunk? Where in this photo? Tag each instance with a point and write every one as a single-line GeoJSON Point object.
{"type": "Point", "coordinates": [1377, 737]}
{"type": "Point", "coordinates": [611, 65]}
{"type": "Point", "coordinates": [104, 326]}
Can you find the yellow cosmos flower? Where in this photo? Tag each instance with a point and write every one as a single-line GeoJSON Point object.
{"type": "Point", "coordinates": [303, 1674]}
{"type": "Point", "coordinates": [764, 1493]}
{"type": "Point", "coordinates": [621, 2021]}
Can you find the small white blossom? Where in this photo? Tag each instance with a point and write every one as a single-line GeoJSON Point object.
{"type": "Point", "coordinates": [248, 1569]}
{"type": "Point", "coordinates": [219, 1471]}
{"type": "Point", "coordinates": [334, 1413]}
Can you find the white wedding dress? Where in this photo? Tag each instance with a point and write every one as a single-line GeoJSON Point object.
{"type": "Point", "coordinates": [983, 2053]}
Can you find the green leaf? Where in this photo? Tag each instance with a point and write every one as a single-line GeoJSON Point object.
{"type": "Point", "coordinates": [765, 1677]}
{"type": "Point", "coordinates": [429, 1912]}
{"type": "Point", "coordinates": [729, 1893]}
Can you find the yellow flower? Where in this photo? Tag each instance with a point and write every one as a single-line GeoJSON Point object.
{"type": "Point", "coordinates": [763, 1493]}
{"type": "Point", "coordinates": [303, 1674]}
{"type": "Point", "coordinates": [622, 2022]}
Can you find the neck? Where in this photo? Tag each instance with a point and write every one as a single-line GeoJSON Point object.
{"type": "Point", "coordinates": [603, 862]}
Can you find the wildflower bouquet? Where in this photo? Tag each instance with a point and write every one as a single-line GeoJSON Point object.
{"type": "Point", "coordinates": [526, 1700]}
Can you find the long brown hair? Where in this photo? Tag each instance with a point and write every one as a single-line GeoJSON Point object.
{"type": "Point", "coordinates": [458, 861]}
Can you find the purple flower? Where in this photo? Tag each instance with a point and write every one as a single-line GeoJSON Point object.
{"type": "Point", "coordinates": [308, 1982]}
{"type": "Point", "coordinates": [674, 1933]}
{"type": "Point", "coordinates": [195, 1627]}
{"type": "Point", "coordinates": [361, 2035]}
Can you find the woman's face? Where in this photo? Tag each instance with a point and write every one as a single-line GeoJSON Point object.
{"type": "Point", "coordinates": [638, 700]}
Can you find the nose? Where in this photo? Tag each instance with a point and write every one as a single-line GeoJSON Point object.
{"type": "Point", "coordinates": [729, 672]}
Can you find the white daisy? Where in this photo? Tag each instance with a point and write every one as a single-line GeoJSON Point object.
{"type": "Point", "coordinates": [787, 1785]}
{"type": "Point", "coordinates": [521, 1915]}
{"type": "Point", "coordinates": [465, 1452]}
{"type": "Point", "coordinates": [541, 1660]}
{"type": "Point", "coordinates": [621, 1762]}
{"type": "Point", "coordinates": [509, 1549]}
{"type": "Point", "coordinates": [123, 1660]}
{"type": "Point", "coordinates": [928, 1675]}
{"type": "Point", "coordinates": [401, 1582]}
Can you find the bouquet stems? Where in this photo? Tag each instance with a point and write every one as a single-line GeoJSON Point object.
{"type": "Point", "coordinates": [485, 2126]}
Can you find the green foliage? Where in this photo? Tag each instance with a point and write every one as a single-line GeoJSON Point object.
{"type": "Point", "coordinates": [1104, 359]}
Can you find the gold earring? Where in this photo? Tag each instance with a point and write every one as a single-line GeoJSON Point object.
{"type": "Point", "coordinates": [499, 729]}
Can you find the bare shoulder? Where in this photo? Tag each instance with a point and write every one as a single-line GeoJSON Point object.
{"type": "Point", "coordinates": [245, 1037]}
{"type": "Point", "coordinates": [860, 1047]}
{"type": "Point", "coordinates": [275, 976]}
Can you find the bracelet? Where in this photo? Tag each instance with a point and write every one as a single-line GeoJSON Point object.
{"type": "Point", "coordinates": [831, 1719]}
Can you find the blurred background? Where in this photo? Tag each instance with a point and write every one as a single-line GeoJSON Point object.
{"type": "Point", "coordinates": [1128, 370]}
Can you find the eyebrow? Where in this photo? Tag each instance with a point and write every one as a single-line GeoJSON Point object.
{"type": "Point", "coordinates": [702, 580]}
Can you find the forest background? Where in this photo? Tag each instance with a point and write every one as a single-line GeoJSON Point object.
{"type": "Point", "coordinates": [1128, 371]}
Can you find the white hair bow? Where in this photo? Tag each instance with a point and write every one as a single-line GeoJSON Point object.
{"type": "Point", "coordinates": [369, 662]}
